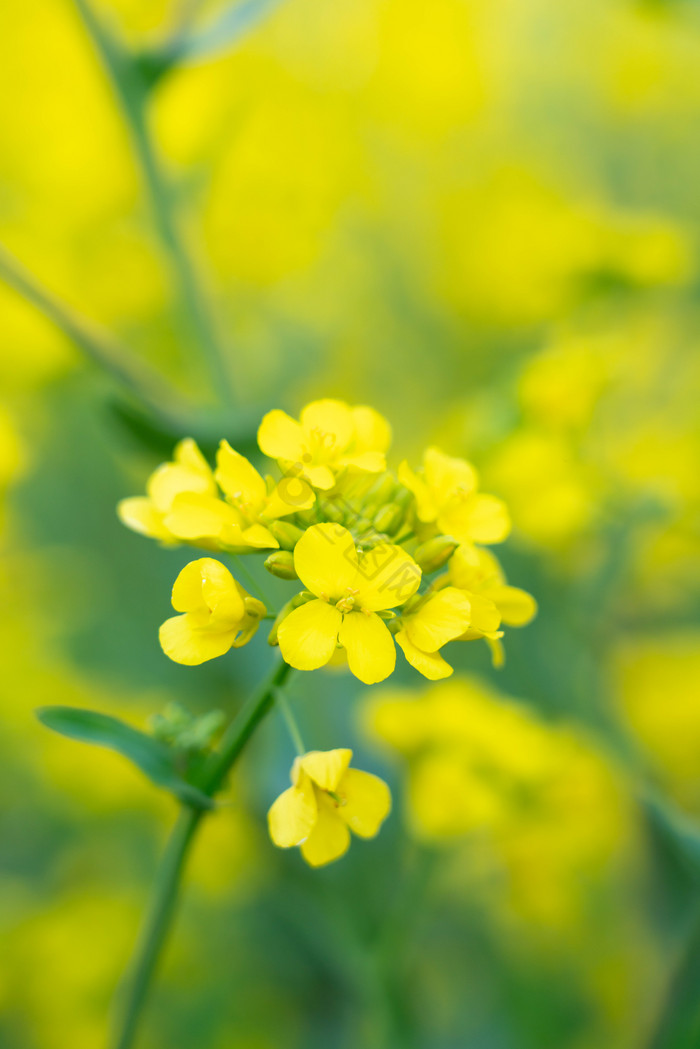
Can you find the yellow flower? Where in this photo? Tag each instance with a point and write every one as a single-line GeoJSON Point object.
{"type": "Point", "coordinates": [438, 617]}
{"type": "Point", "coordinates": [329, 436]}
{"type": "Point", "coordinates": [325, 802]}
{"type": "Point", "coordinates": [349, 588]}
{"type": "Point", "coordinates": [218, 614]}
{"type": "Point", "coordinates": [240, 523]}
{"type": "Point", "coordinates": [188, 473]}
{"type": "Point", "coordinates": [446, 495]}
{"type": "Point", "coordinates": [478, 571]}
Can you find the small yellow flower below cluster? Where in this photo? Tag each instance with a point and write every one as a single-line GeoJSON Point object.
{"type": "Point", "coordinates": [218, 614]}
{"type": "Point", "coordinates": [326, 801]}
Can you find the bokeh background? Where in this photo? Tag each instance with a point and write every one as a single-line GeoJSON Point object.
{"type": "Point", "coordinates": [481, 217]}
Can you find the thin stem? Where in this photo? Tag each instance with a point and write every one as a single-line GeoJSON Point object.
{"type": "Point", "coordinates": [290, 721]}
{"type": "Point", "coordinates": [167, 886]}
{"type": "Point", "coordinates": [98, 345]}
{"type": "Point", "coordinates": [132, 93]}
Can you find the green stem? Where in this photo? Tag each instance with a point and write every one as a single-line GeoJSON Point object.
{"type": "Point", "coordinates": [98, 345]}
{"type": "Point", "coordinates": [132, 91]}
{"type": "Point", "coordinates": [290, 721]}
{"type": "Point", "coordinates": [167, 887]}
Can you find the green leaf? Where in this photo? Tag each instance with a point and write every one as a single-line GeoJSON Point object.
{"type": "Point", "coordinates": [153, 757]}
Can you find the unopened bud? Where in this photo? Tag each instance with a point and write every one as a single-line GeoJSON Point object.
{"type": "Point", "coordinates": [381, 492]}
{"type": "Point", "coordinates": [388, 519]}
{"type": "Point", "coordinates": [435, 553]}
{"type": "Point", "coordinates": [281, 564]}
{"type": "Point", "coordinates": [286, 534]}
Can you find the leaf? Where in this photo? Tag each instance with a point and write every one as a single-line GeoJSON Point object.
{"type": "Point", "coordinates": [153, 757]}
{"type": "Point", "coordinates": [221, 34]}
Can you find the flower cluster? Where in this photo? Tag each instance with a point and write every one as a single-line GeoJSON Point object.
{"type": "Point", "coordinates": [367, 546]}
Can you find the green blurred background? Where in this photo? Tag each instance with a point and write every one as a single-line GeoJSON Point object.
{"type": "Point", "coordinates": [481, 217]}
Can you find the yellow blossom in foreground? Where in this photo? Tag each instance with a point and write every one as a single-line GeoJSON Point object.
{"type": "Point", "coordinates": [446, 495]}
{"type": "Point", "coordinates": [350, 588]}
{"type": "Point", "coordinates": [218, 614]}
{"type": "Point", "coordinates": [329, 436]}
{"type": "Point", "coordinates": [326, 801]}
{"type": "Point", "coordinates": [241, 521]}
{"type": "Point", "coordinates": [438, 617]}
{"type": "Point", "coordinates": [187, 474]}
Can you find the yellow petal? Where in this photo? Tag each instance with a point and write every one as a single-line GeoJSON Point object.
{"type": "Point", "coordinates": [187, 454]}
{"type": "Point", "coordinates": [370, 646]}
{"type": "Point", "coordinates": [239, 479]}
{"type": "Point", "coordinates": [367, 801]}
{"type": "Point", "coordinates": [258, 537]}
{"type": "Point", "coordinates": [185, 642]}
{"type": "Point", "coordinates": [308, 635]}
{"type": "Point", "coordinates": [330, 837]}
{"type": "Point", "coordinates": [516, 606]}
{"type": "Point", "coordinates": [441, 618]}
{"type": "Point", "coordinates": [292, 816]}
{"type": "Point", "coordinates": [478, 519]}
{"type": "Point", "coordinates": [446, 475]}
{"type": "Point", "coordinates": [326, 767]}
{"type": "Point", "coordinates": [326, 561]}
{"type": "Point", "coordinates": [329, 426]}
{"type": "Point", "coordinates": [320, 476]}
{"type": "Point", "coordinates": [498, 654]}
{"type": "Point", "coordinates": [372, 431]}
{"type": "Point", "coordinates": [484, 615]}
{"type": "Point", "coordinates": [172, 478]}
{"type": "Point", "coordinates": [139, 514]}
{"type": "Point", "coordinates": [195, 515]}
{"type": "Point", "coordinates": [429, 664]}
{"type": "Point", "coordinates": [372, 462]}
{"type": "Point", "coordinates": [473, 567]}
{"type": "Point", "coordinates": [293, 493]}
{"type": "Point", "coordinates": [206, 582]}
{"type": "Point", "coordinates": [426, 507]}
{"type": "Point", "coordinates": [387, 576]}
{"type": "Point", "coordinates": [281, 437]}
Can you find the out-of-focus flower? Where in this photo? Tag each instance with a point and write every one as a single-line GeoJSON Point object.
{"type": "Point", "coordinates": [446, 495]}
{"type": "Point", "coordinates": [350, 588]}
{"type": "Point", "coordinates": [329, 437]}
{"type": "Point", "coordinates": [217, 614]}
{"type": "Point", "coordinates": [478, 571]}
{"type": "Point", "coordinates": [326, 801]}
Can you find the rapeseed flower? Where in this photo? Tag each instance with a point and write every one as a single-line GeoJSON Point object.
{"type": "Point", "coordinates": [447, 496]}
{"type": "Point", "coordinates": [217, 614]}
{"type": "Point", "coordinates": [440, 616]}
{"type": "Point", "coordinates": [326, 801]}
{"type": "Point", "coordinates": [329, 437]}
{"type": "Point", "coordinates": [348, 589]}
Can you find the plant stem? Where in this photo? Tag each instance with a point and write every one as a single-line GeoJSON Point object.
{"type": "Point", "coordinates": [98, 345]}
{"type": "Point", "coordinates": [167, 887]}
{"type": "Point", "coordinates": [290, 721]}
{"type": "Point", "coordinates": [132, 92]}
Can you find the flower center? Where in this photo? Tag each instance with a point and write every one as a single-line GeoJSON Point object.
{"type": "Point", "coordinates": [347, 603]}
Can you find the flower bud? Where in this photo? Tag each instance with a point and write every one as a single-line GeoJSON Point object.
{"type": "Point", "coordinates": [435, 553]}
{"type": "Point", "coordinates": [388, 519]}
{"type": "Point", "coordinates": [286, 534]}
{"type": "Point", "coordinates": [281, 564]}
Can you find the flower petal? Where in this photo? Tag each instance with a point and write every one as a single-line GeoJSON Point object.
{"type": "Point", "coordinates": [326, 767]}
{"type": "Point", "coordinates": [184, 641]}
{"type": "Point", "coordinates": [516, 606]}
{"type": "Point", "coordinates": [426, 507]}
{"type": "Point", "coordinates": [329, 423]}
{"type": "Point", "coordinates": [478, 519]}
{"type": "Point", "coordinates": [367, 802]}
{"type": "Point", "coordinates": [446, 475]}
{"type": "Point", "coordinates": [292, 816]}
{"type": "Point", "coordinates": [281, 437]}
{"type": "Point", "coordinates": [291, 494]}
{"type": "Point", "coordinates": [330, 837]}
{"type": "Point", "coordinates": [139, 514]}
{"type": "Point", "coordinates": [370, 647]}
{"type": "Point", "coordinates": [441, 618]}
{"type": "Point", "coordinates": [387, 576]}
{"type": "Point", "coordinates": [372, 462]}
{"type": "Point", "coordinates": [239, 479]}
{"type": "Point", "coordinates": [326, 561]}
{"type": "Point", "coordinates": [308, 635]}
{"type": "Point", "coordinates": [429, 664]}
{"type": "Point", "coordinates": [320, 476]}
{"type": "Point", "coordinates": [196, 515]}
{"type": "Point", "coordinates": [372, 431]}
{"type": "Point", "coordinates": [206, 582]}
